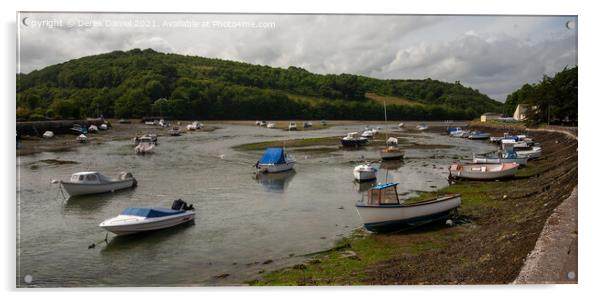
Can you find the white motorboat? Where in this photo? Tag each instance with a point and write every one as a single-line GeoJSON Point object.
{"type": "Point", "coordinates": [82, 138]}
{"type": "Point", "coordinates": [292, 126]}
{"type": "Point", "coordinates": [478, 135]}
{"type": "Point", "coordinates": [271, 125]}
{"type": "Point", "coordinates": [400, 125]}
{"type": "Point", "coordinates": [353, 139]}
{"type": "Point", "coordinates": [383, 212]}
{"type": "Point", "coordinates": [275, 160]}
{"type": "Point", "coordinates": [368, 133]}
{"type": "Point", "coordinates": [85, 183]}
{"type": "Point", "coordinates": [483, 171]}
{"type": "Point", "coordinates": [137, 220]}
{"type": "Point", "coordinates": [532, 153]}
{"type": "Point", "coordinates": [48, 134]}
{"type": "Point", "coordinates": [364, 172]}
{"type": "Point", "coordinates": [145, 145]}
{"type": "Point", "coordinates": [422, 127]}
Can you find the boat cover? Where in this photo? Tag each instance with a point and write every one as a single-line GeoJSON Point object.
{"type": "Point", "coordinates": [150, 212]}
{"type": "Point", "coordinates": [384, 185]}
{"type": "Point", "coordinates": [272, 156]}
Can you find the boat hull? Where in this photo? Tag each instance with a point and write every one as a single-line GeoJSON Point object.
{"type": "Point", "coordinates": [391, 155]}
{"type": "Point", "coordinates": [272, 168]}
{"type": "Point", "coordinates": [480, 175]}
{"type": "Point", "coordinates": [122, 225]}
{"type": "Point", "coordinates": [529, 154]}
{"type": "Point", "coordinates": [79, 189]}
{"type": "Point", "coordinates": [353, 143]}
{"type": "Point", "coordinates": [362, 176]}
{"type": "Point", "coordinates": [384, 218]}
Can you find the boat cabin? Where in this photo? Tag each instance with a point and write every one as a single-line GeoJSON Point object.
{"type": "Point", "coordinates": [85, 177]}
{"type": "Point", "coordinates": [383, 194]}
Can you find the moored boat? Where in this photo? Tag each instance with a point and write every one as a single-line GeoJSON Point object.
{"type": "Point", "coordinates": [271, 125]}
{"type": "Point", "coordinates": [275, 160]}
{"type": "Point", "coordinates": [85, 183]}
{"type": "Point", "coordinates": [531, 153]}
{"type": "Point", "coordinates": [292, 126]}
{"type": "Point", "coordinates": [383, 212]}
{"type": "Point", "coordinates": [174, 131]}
{"type": "Point", "coordinates": [478, 135]}
{"type": "Point", "coordinates": [422, 127]}
{"type": "Point", "coordinates": [146, 145]}
{"type": "Point", "coordinates": [82, 138]}
{"type": "Point", "coordinates": [137, 220]}
{"type": "Point", "coordinates": [483, 171]}
{"type": "Point", "coordinates": [353, 139]}
{"type": "Point", "coordinates": [364, 172]}
{"type": "Point", "coordinates": [507, 157]}
{"type": "Point", "coordinates": [48, 134]}
{"type": "Point", "coordinates": [400, 125]}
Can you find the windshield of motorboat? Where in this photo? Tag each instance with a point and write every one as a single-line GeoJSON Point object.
{"type": "Point", "coordinates": [384, 196]}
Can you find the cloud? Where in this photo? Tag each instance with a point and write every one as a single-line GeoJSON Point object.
{"type": "Point", "coordinates": [493, 54]}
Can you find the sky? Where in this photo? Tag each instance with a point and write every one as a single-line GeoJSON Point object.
{"type": "Point", "coordinates": [494, 54]}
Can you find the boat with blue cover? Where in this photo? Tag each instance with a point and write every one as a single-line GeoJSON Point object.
{"type": "Point", "coordinates": [136, 220]}
{"type": "Point", "coordinates": [275, 160]}
{"type": "Point", "coordinates": [382, 211]}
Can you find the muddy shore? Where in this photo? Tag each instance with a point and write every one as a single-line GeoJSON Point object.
{"type": "Point", "coordinates": [498, 227]}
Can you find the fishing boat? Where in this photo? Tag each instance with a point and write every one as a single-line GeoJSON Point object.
{"type": "Point", "coordinates": [137, 220]}
{"type": "Point", "coordinates": [48, 134]}
{"type": "Point", "coordinates": [483, 171]}
{"type": "Point", "coordinates": [353, 139]}
{"type": "Point", "coordinates": [86, 183]}
{"type": "Point", "coordinates": [146, 145]}
{"type": "Point", "coordinates": [275, 160]}
{"type": "Point", "coordinates": [364, 172]}
{"type": "Point", "coordinates": [82, 138]}
{"type": "Point", "coordinates": [391, 150]}
{"type": "Point", "coordinates": [174, 131]}
{"type": "Point", "coordinates": [478, 135]}
{"type": "Point", "coordinates": [422, 127]}
{"type": "Point", "coordinates": [292, 126]}
{"type": "Point", "coordinates": [383, 212]}
{"type": "Point", "coordinates": [507, 157]}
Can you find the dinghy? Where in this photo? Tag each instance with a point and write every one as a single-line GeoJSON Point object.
{"type": "Point", "coordinates": [85, 183]}
{"type": "Point", "coordinates": [274, 160]}
{"type": "Point", "coordinates": [353, 139]}
{"type": "Point", "coordinates": [368, 133]}
{"type": "Point", "coordinates": [483, 171]}
{"type": "Point", "coordinates": [48, 134]}
{"type": "Point", "coordinates": [137, 220]}
{"type": "Point", "coordinates": [364, 172]}
{"type": "Point", "coordinates": [383, 212]}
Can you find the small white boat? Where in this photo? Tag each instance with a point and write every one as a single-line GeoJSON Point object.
{"type": "Point", "coordinates": [459, 133]}
{"type": "Point", "coordinates": [532, 153]}
{"type": "Point", "coordinates": [292, 126]}
{"type": "Point", "coordinates": [137, 220]}
{"type": "Point", "coordinates": [85, 183]}
{"type": "Point", "coordinates": [190, 127]}
{"type": "Point", "coordinates": [150, 123]}
{"type": "Point", "coordinates": [400, 125]}
{"type": "Point", "coordinates": [353, 139]}
{"type": "Point", "coordinates": [262, 123]}
{"type": "Point", "coordinates": [93, 129]}
{"type": "Point", "coordinates": [257, 123]}
{"type": "Point", "coordinates": [483, 171]}
{"type": "Point", "coordinates": [270, 125]}
{"type": "Point", "coordinates": [103, 127]}
{"type": "Point", "coordinates": [478, 135]}
{"type": "Point", "coordinates": [174, 131]}
{"type": "Point", "coordinates": [508, 157]}
{"type": "Point", "coordinates": [145, 145]}
{"type": "Point", "coordinates": [48, 134]}
{"type": "Point", "coordinates": [82, 138]}
{"type": "Point", "coordinates": [422, 127]}
{"type": "Point", "coordinates": [383, 212]}
{"type": "Point", "coordinates": [275, 160]}
{"type": "Point", "coordinates": [364, 172]}
{"type": "Point", "coordinates": [368, 133]}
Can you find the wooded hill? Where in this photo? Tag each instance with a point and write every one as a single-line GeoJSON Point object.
{"type": "Point", "coordinates": [140, 83]}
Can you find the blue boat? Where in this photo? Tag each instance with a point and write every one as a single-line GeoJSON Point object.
{"type": "Point", "coordinates": [275, 160]}
{"type": "Point", "coordinates": [453, 129]}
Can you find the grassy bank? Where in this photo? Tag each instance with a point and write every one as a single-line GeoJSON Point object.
{"type": "Point", "coordinates": [498, 225]}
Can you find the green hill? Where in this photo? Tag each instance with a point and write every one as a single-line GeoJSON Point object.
{"type": "Point", "coordinates": [140, 83]}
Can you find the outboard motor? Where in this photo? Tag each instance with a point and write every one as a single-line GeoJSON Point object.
{"type": "Point", "coordinates": [178, 204]}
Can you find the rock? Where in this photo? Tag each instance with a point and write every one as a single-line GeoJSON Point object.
{"type": "Point", "coordinates": [269, 261]}
{"type": "Point", "coordinates": [221, 276]}
{"type": "Point", "coordinates": [350, 254]}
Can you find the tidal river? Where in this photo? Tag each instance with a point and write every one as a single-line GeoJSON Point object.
{"type": "Point", "coordinates": [243, 225]}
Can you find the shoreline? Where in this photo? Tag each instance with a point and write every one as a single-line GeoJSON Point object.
{"type": "Point", "coordinates": [502, 229]}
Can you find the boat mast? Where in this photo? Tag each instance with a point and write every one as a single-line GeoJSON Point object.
{"type": "Point", "coordinates": [386, 126]}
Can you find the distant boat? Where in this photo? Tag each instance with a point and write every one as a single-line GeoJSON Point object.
{"type": "Point", "coordinates": [137, 220]}
{"type": "Point", "coordinates": [93, 129]}
{"type": "Point", "coordinates": [82, 138]}
{"type": "Point", "coordinates": [353, 139]}
{"type": "Point", "coordinates": [323, 122]}
{"type": "Point", "coordinates": [103, 127]}
{"type": "Point", "coordinates": [400, 125]}
{"type": "Point", "coordinates": [307, 124]}
{"type": "Point", "coordinates": [85, 183]}
{"type": "Point", "coordinates": [483, 171]}
{"type": "Point", "coordinates": [271, 125]}
{"type": "Point", "coordinates": [292, 126]}
{"type": "Point", "coordinates": [364, 172]}
{"type": "Point", "coordinates": [275, 160]}
{"type": "Point", "coordinates": [124, 121]}
{"type": "Point", "coordinates": [391, 151]}
{"type": "Point", "coordinates": [451, 130]}
{"type": "Point", "coordinates": [174, 131]}
{"type": "Point", "coordinates": [478, 135]}
{"type": "Point", "coordinates": [532, 153]}
{"type": "Point", "coordinates": [422, 127]}
{"type": "Point", "coordinates": [153, 123]}
{"type": "Point", "coordinates": [459, 133]}
{"type": "Point", "coordinates": [383, 212]}
{"type": "Point", "coordinates": [48, 134]}
{"type": "Point", "coordinates": [368, 133]}
{"type": "Point", "coordinates": [262, 123]}
{"type": "Point", "coordinates": [79, 129]}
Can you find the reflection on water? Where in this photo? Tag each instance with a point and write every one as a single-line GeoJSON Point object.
{"type": "Point", "coordinates": [275, 182]}
{"type": "Point", "coordinates": [391, 164]}
{"type": "Point", "coordinates": [361, 187]}
{"type": "Point", "coordinates": [143, 240]}
{"type": "Point", "coordinates": [86, 203]}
